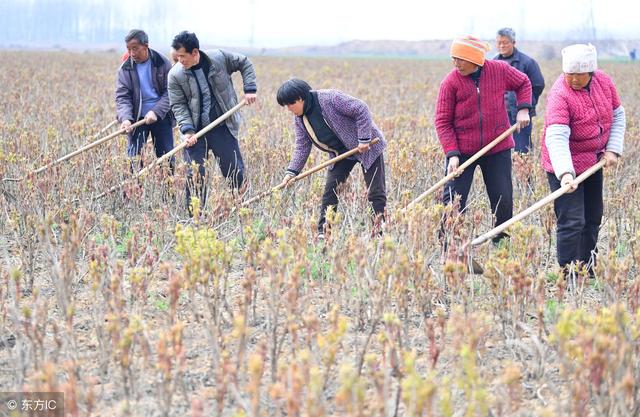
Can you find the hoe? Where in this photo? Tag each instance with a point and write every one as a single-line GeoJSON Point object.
{"type": "Point", "coordinates": [175, 150]}
{"type": "Point", "coordinates": [81, 150]}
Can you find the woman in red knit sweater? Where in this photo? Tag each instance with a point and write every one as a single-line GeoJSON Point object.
{"type": "Point", "coordinates": [470, 113]}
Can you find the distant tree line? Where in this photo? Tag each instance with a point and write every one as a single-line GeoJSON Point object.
{"type": "Point", "coordinates": [72, 21]}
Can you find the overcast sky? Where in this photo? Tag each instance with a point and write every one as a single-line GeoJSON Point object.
{"type": "Point", "coordinates": [276, 23]}
{"type": "Point", "coordinates": [294, 22]}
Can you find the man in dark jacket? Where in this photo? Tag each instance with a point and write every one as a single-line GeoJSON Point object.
{"type": "Point", "coordinates": [200, 91]}
{"type": "Point", "coordinates": [506, 43]}
{"type": "Point", "coordinates": [141, 93]}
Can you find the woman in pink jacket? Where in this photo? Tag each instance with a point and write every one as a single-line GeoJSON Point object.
{"type": "Point", "coordinates": [470, 113]}
{"type": "Point", "coordinates": [584, 122]}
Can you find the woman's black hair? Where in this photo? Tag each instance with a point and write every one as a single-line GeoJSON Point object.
{"type": "Point", "coordinates": [292, 90]}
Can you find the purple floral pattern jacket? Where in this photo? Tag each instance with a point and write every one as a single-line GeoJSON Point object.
{"type": "Point", "coordinates": [350, 120]}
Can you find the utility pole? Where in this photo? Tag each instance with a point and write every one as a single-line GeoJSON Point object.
{"type": "Point", "coordinates": [523, 19]}
{"type": "Point", "coordinates": [252, 7]}
{"type": "Point", "coordinates": [591, 24]}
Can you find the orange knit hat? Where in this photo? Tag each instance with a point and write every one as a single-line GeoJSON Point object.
{"type": "Point", "coordinates": [470, 49]}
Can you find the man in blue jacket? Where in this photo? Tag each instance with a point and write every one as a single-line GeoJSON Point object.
{"type": "Point", "coordinates": [506, 43]}
{"type": "Point", "coordinates": [141, 93]}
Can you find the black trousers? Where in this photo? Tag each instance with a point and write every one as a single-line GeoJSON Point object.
{"type": "Point", "coordinates": [579, 216]}
{"type": "Point", "coordinates": [496, 173]}
{"type": "Point", "coordinates": [225, 148]}
{"type": "Point", "coordinates": [374, 178]}
{"type": "Point", "coordinates": [161, 134]}
{"type": "Point", "coordinates": [522, 138]}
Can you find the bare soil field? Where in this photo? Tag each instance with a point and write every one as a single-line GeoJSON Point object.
{"type": "Point", "coordinates": [132, 308]}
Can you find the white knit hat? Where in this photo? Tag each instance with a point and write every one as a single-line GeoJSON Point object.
{"type": "Point", "coordinates": [579, 58]}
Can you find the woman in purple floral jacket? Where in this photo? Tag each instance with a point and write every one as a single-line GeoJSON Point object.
{"type": "Point", "coordinates": [335, 123]}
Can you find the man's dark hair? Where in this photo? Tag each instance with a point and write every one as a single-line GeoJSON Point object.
{"type": "Point", "coordinates": [187, 40]}
{"type": "Point", "coordinates": [508, 33]}
{"type": "Point", "coordinates": [292, 90]}
{"type": "Point", "coordinates": [137, 34]}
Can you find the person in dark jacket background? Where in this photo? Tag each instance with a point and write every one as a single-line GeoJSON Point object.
{"type": "Point", "coordinates": [141, 93]}
{"type": "Point", "coordinates": [506, 43]}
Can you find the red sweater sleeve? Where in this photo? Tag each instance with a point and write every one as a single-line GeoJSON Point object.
{"type": "Point", "coordinates": [445, 115]}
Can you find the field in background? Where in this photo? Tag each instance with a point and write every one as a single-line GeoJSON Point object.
{"type": "Point", "coordinates": [131, 308]}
